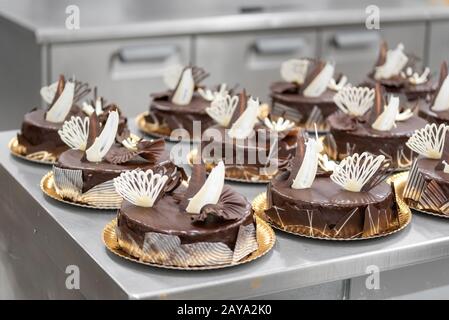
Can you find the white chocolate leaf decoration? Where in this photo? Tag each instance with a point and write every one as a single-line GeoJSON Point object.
{"type": "Point", "coordinates": [307, 172]}
{"type": "Point", "coordinates": [210, 191]}
{"type": "Point", "coordinates": [74, 133]}
{"type": "Point", "coordinates": [279, 125]}
{"type": "Point", "coordinates": [184, 91]}
{"type": "Point", "coordinates": [48, 92]}
{"type": "Point", "coordinates": [405, 115]}
{"type": "Point", "coordinates": [355, 171]}
{"type": "Point", "coordinates": [387, 119]}
{"type": "Point", "coordinates": [428, 141]}
{"type": "Point", "coordinates": [355, 101]}
{"type": "Point", "coordinates": [442, 98]}
{"type": "Point", "coordinates": [244, 125]}
{"type": "Point", "coordinates": [61, 108]}
{"type": "Point", "coordinates": [105, 140]}
{"type": "Point", "coordinates": [337, 86]}
{"type": "Point", "coordinates": [210, 95]}
{"type": "Point", "coordinates": [395, 61]}
{"type": "Point", "coordinates": [87, 108]}
{"type": "Point", "coordinates": [139, 187]}
{"type": "Point", "coordinates": [222, 108]}
{"type": "Point", "coordinates": [171, 75]}
{"type": "Point", "coordinates": [320, 83]}
{"type": "Point", "coordinates": [325, 163]}
{"type": "Point", "coordinates": [294, 70]}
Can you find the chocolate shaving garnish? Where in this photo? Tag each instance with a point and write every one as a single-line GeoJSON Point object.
{"type": "Point", "coordinates": [382, 57]}
{"type": "Point", "coordinates": [330, 146]}
{"type": "Point", "coordinates": [197, 179]}
{"type": "Point", "coordinates": [148, 150]}
{"type": "Point", "coordinates": [227, 208]}
{"type": "Point", "coordinates": [443, 75]}
{"type": "Point", "coordinates": [81, 90]}
{"type": "Point", "coordinates": [381, 174]}
{"type": "Point", "coordinates": [94, 129]}
{"type": "Point", "coordinates": [59, 89]}
{"type": "Point", "coordinates": [198, 74]}
{"type": "Point", "coordinates": [313, 71]}
{"type": "Point", "coordinates": [379, 103]}
{"type": "Point", "coordinates": [299, 157]}
{"type": "Point", "coordinates": [243, 99]}
{"type": "Point", "coordinates": [164, 95]}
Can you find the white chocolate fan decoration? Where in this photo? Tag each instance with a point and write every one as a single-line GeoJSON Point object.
{"type": "Point", "coordinates": [307, 172]}
{"type": "Point", "coordinates": [211, 190]}
{"type": "Point", "coordinates": [210, 95]}
{"type": "Point", "coordinates": [294, 70]}
{"type": "Point", "coordinates": [139, 187]}
{"type": "Point", "coordinates": [48, 92]}
{"type": "Point", "coordinates": [75, 132]}
{"type": "Point", "coordinates": [320, 83]}
{"type": "Point", "coordinates": [105, 140]}
{"type": "Point", "coordinates": [222, 108]}
{"type": "Point", "coordinates": [184, 91]}
{"type": "Point", "coordinates": [355, 101]}
{"type": "Point", "coordinates": [355, 171]}
{"type": "Point", "coordinates": [442, 98]}
{"type": "Point", "coordinates": [61, 108]}
{"type": "Point", "coordinates": [395, 61]}
{"type": "Point", "coordinates": [428, 141]}
{"type": "Point", "coordinates": [244, 125]}
{"type": "Point", "coordinates": [387, 119]}
{"type": "Point", "coordinates": [279, 125]}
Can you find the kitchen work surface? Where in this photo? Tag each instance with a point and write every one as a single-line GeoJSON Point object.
{"type": "Point", "coordinates": [43, 241]}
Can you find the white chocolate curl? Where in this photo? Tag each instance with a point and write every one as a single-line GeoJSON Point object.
{"type": "Point", "coordinates": [395, 61]}
{"type": "Point", "coordinates": [306, 174]}
{"type": "Point", "coordinates": [244, 125]}
{"type": "Point", "coordinates": [294, 70]}
{"type": "Point", "coordinates": [320, 83]}
{"type": "Point", "coordinates": [59, 111]}
{"type": "Point", "coordinates": [211, 190]}
{"type": "Point", "coordinates": [387, 119]}
{"type": "Point", "coordinates": [184, 92]}
{"type": "Point", "coordinates": [442, 99]}
{"type": "Point", "coordinates": [105, 140]}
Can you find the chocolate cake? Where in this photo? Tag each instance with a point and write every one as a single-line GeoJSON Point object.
{"type": "Point", "coordinates": [39, 134]}
{"type": "Point", "coordinates": [427, 186]}
{"type": "Point", "coordinates": [435, 106]}
{"type": "Point", "coordinates": [367, 124]}
{"type": "Point", "coordinates": [176, 110]}
{"type": "Point", "coordinates": [204, 224]}
{"type": "Point", "coordinates": [244, 141]}
{"type": "Point", "coordinates": [351, 202]}
{"type": "Point", "coordinates": [85, 173]}
{"type": "Point", "coordinates": [398, 74]}
{"type": "Point", "coordinates": [294, 99]}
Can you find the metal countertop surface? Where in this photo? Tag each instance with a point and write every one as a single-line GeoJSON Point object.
{"type": "Point", "coordinates": [294, 262]}
{"type": "Point", "coordinates": [113, 19]}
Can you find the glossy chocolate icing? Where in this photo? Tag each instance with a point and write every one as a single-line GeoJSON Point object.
{"type": "Point", "coordinates": [353, 136]}
{"type": "Point", "coordinates": [168, 216]}
{"type": "Point", "coordinates": [330, 210]}
{"type": "Point", "coordinates": [96, 173]}
{"type": "Point", "coordinates": [399, 85]}
{"type": "Point", "coordinates": [176, 116]}
{"type": "Point", "coordinates": [425, 112]}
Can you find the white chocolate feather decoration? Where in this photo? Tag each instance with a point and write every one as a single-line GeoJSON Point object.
{"type": "Point", "coordinates": [74, 132]}
{"type": "Point", "coordinates": [442, 98]}
{"type": "Point", "coordinates": [355, 171]}
{"type": "Point", "coordinates": [279, 125]}
{"type": "Point", "coordinates": [139, 187]}
{"type": "Point", "coordinates": [355, 101]}
{"type": "Point", "coordinates": [320, 83]}
{"type": "Point", "coordinates": [222, 108]}
{"type": "Point", "coordinates": [294, 70]}
{"type": "Point", "coordinates": [387, 119]}
{"type": "Point", "coordinates": [210, 95]}
{"type": "Point", "coordinates": [337, 86]}
{"type": "Point", "coordinates": [306, 174]}
{"type": "Point", "coordinates": [428, 141]}
{"type": "Point", "coordinates": [244, 125]}
{"type": "Point", "coordinates": [105, 140]}
{"type": "Point", "coordinates": [395, 61]}
{"type": "Point", "coordinates": [59, 111]}
{"type": "Point", "coordinates": [48, 92]}
{"type": "Point", "coordinates": [184, 92]}
{"type": "Point", "coordinates": [211, 190]}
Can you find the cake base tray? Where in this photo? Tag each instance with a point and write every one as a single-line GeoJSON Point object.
{"type": "Point", "coordinates": [41, 157]}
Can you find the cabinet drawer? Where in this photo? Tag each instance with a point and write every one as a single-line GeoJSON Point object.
{"type": "Point", "coordinates": [355, 49]}
{"type": "Point", "coordinates": [126, 72]}
{"type": "Point", "coordinates": [251, 59]}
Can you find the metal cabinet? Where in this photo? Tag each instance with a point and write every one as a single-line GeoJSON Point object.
{"type": "Point", "coordinates": [438, 44]}
{"type": "Point", "coordinates": [355, 49]}
{"type": "Point", "coordinates": [251, 59]}
{"type": "Point", "coordinates": [126, 71]}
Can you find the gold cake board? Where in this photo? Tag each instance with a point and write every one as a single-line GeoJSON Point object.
{"type": "Point", "coordinates": [19, 151]}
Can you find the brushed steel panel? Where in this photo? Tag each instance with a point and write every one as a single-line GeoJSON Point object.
{"type": "Point", "coordinates": [438, 44]}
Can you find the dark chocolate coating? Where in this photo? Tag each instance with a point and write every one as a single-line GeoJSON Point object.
{"type": "Point", "coordinates": [430, 115]}
{"type": "Point", "coordinates": [181, 117]}
{"type": "Point", "coordinates": [330, 210]}
{"type": "Point", "coordinates": [364, 138]}
{"type": "Point", "coordinates": [167, 216]}
{"type": "Point", "coordinates": [398, 85]}
{"type": "Point", "coordinates": [96, 173]}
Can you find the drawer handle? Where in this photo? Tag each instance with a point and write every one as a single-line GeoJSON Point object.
{"type": "Point", "coordinates": [279, 46]}
{"type": "Point", "coordinates": [139, 53]}
{"type": "Point", "coordinates": [351, 40]}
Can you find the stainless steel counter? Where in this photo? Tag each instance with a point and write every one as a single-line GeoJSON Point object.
{"type": "Point", "coordinates": [113, 19]}
{"type": "Point", "coordinates": [63, 235]}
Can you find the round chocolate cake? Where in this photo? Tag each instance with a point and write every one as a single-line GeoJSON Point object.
{"type": "Point", "coordinates": [168, 231]}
